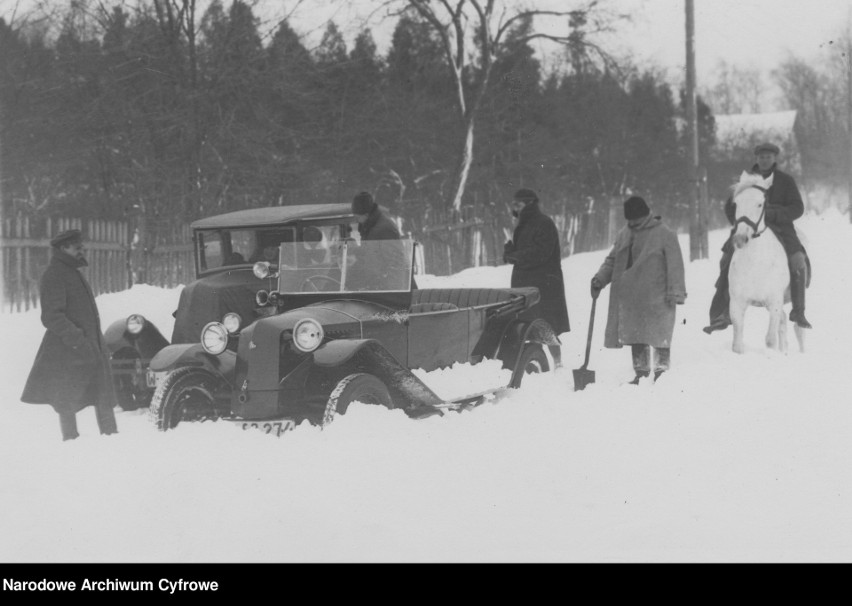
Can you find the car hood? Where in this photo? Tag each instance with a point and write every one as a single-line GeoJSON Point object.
{"type": "Point", "coordinates": [210, 298]}
{"type": "Point", "coordinates": [341, 313]}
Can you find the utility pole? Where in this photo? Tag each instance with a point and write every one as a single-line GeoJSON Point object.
{"type": "Point", "coordinates": [849, 102]}
{"type": "Point", "coordinates": [697, 229]}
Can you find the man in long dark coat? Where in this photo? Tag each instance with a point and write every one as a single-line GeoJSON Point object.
{"type": "Point", "coordinates": [535, 252]}
{"type": "Point", "coordinates": [71, 369]}
{"type": "Point", "coordinates": [783, 206]}
{"type": "Point", "coordinates": [645, 268]}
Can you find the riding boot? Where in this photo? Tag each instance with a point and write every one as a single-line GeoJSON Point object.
{"type": "Point", "coordinates": [720, 317]}
{"type": "Point", "coordinates": [798, 283]}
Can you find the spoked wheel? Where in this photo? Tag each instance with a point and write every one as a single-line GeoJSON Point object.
{"type": "Point", "coordinates": [361, 387]}
{"type": "Point", "coordinates": [186, 394]}
{"type": "Point", "coordinates": [312, 283]}
{"type": "Point", "coordinates": [533, 361]}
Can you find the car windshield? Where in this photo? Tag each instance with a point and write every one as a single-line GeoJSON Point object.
{"type": "Point", "coordinates": [345, 265]}
{"type": "Point", "coordinates": [228, 247]}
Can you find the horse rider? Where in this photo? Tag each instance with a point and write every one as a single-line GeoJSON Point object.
{"type": "Point", "coordinates": [783, 206]}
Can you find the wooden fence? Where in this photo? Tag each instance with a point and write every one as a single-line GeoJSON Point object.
{"type": "Point", "coordinates": [167, 261]}
{"type": "Point", "coordinates": [118, 258]}
{"type": "Point", "coordinates": [475, 237]}
{"type": "Point", "coordinates": [116, 262]}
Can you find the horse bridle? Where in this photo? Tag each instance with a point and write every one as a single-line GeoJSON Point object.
{"type": "Point", "coordinates": [756, 231]}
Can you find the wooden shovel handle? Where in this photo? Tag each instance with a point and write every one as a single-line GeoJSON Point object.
{"type": "Point", "coordinates": [591, 328]}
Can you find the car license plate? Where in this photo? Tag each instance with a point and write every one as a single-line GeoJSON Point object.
{"type": "Point", "coordinates": [153, 379]}
{"type": "Point", "coordinates": [275, 428]}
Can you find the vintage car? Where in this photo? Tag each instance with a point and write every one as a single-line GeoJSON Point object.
{"type": "Point", "coordinates": [359, 330]}
{"type": "Point", "coordinates": [225, 249]}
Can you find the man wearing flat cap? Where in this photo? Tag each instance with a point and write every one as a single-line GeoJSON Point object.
{"type": "Point", "coordinates": [71, 369]}
{"type": "Point", "coordinates": [783, 206]}
{"type": "Point", "coordinates": [646, 271]}
{"type": "Point", "coordinates": [536, 255]}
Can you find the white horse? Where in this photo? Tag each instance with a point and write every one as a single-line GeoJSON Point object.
{"type": "Point", "coordinates": [759, 274]}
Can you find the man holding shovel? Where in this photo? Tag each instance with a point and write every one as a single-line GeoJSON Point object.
{"type": "Point", "coordinates": [645, 268]}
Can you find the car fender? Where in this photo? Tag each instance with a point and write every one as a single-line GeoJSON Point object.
{"type": "Point", "coordinates": [520, 332]}
{"type": "Point", "coordinates": [192, 354]}
{"type": "Point", "coordinates": [147, 343]}
{"type": "Point", "coordinates": [369, 356]}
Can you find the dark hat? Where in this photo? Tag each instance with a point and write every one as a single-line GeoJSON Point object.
{"type": "Point", "coordinates": [635, 208]}
{"type": "Point", "coordinates": [526, 195]}
{"type": "Point", "coordinates": [66, 238]}
{"type": "Point", "coordinates": [312, 234]}
{"type": "Point", "coordinates": [363, 204]}
{"type": "Point", "coordinates": [767, 147]}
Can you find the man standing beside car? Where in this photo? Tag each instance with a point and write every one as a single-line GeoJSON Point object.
{"type": "Point", "coordinates": [373, 224]}
{"type": "Point", "coordinates": [535, 252]}
{"type": "Point", "coordinates": [71, 369]}
{"type": "Point", "coordinates": [374, 272]}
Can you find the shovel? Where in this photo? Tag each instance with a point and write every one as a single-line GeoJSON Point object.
{"type": "Point", "coordinates": [583, 376]}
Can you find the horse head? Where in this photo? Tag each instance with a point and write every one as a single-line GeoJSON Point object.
{"type": "Point", "coordinates": [749, 196]}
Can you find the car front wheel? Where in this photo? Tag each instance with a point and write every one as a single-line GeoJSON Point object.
{"type": "Point", "coordinates": [185, 394]}
{"type": "Point", "coordinates": [360, 387]}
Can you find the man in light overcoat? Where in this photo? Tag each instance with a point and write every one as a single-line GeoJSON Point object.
{"type": "Point", "coordinates": [645, 268]}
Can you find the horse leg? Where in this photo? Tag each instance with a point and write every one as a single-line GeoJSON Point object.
{"type": "Point", "coordinates": [737, 309]}
{"type": "Point", "coordinates": [772, 331]}
{"type": "Point", "coordinates": [800, 336]}
{"type": "Point", "coordinates": [782, 329]}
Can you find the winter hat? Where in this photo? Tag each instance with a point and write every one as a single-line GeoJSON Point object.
{"type": "Point", "coordinates": [363, 204]}
{"type": "Point", "coordinates": [767, 147]}
{"type": "Point", "coordinates": [635, 208]}
{"type": "Point", "coordinates": [526, 196]}
{"type": "Point", "coordinates": [66, 238]}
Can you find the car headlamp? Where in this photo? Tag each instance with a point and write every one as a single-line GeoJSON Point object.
{"type": "Point", "coordinates": [262, 269]}
{"type": "Point", "coordinates": [307, 335]}
{"type": "Point", "coordinates": [232, 322]}
{"type": "Point", "coordinates": [214, 338]}
{"type": "Point", "coordinates": [135, 324]}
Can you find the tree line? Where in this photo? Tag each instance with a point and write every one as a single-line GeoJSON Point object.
{"type": "Point", "coordinates": [150, 112]}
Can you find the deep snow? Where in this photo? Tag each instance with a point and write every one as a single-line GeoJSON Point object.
{"type": "Point", "coordinates": [728, 458]}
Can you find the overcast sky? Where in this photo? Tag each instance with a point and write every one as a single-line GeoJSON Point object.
{"type": "Point", "coordinates": [746, 33]}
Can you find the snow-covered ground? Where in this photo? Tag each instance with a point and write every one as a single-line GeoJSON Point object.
{"type": "Point", "coordinates": [729, 458]}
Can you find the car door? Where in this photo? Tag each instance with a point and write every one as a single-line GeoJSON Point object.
{"type": "Point", "coordinates": [438, 339]}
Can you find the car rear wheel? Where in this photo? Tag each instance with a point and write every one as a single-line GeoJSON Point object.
{"type": "Point", "coordinates": [185, 394]}
{"type": "Point", "coordinates": [360, 387]}
{"type": "Point", "coordinates": [533, 361]}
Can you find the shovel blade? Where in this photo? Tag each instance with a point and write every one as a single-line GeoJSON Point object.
{"type": "Point", "coordinates": [583, 377]}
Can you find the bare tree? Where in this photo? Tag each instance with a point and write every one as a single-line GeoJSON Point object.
{"type": "Point", "coordinates": [737, 90]}
{"type": "Point", "coordinates": [473, 33]}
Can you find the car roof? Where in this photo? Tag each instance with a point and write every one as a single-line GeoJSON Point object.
{"type": "Point", "coordinates": [274, 215]}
